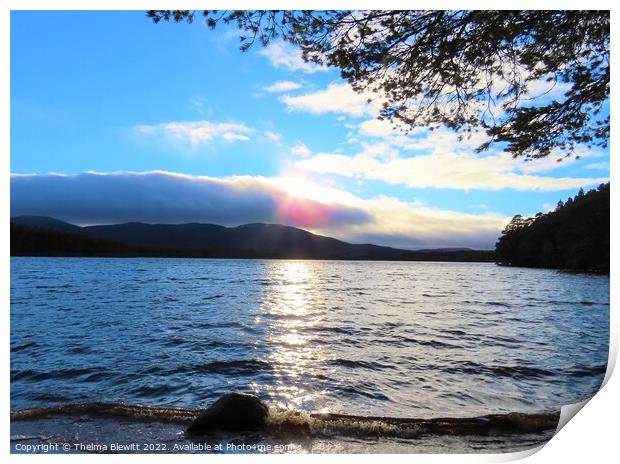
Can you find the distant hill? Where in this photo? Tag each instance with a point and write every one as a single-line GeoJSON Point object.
{"type": "Point", "coordinates": [45, 222]}
{"type": "Point", "coordinates": [37, 241]}
{"type": "Point", "coordinates": [45, 236]}
{"type": "Point", "coordinates": [575, 236]}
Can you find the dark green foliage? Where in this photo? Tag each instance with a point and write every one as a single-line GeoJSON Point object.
{"type": "Point", "coordinates": [466, 70]}
{"type": "Point", "coordinates": [575, 236]}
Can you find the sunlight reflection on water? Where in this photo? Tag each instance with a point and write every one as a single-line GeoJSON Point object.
{"type": "Point", "coordinates": [294, 353]}
{"type": "Point", "coordinates": [375, 338]}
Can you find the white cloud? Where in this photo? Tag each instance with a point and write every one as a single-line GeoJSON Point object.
{"type": "Point", "coordinates": [391, 132]}
{"type": "Point", "coordinates": [284, 55]}
{"type": "Point", "coordinates": [199, 103]}
{"type": "Point", "coordinates": [273, 137]}
{"type": "Point", "coordinates": [197, 132]}
{"type": "Point", "coordinates": [231, 136]}
{"type": "Point", "coordinates": [412, 225]}
{"type": "Point", "coordinates": [301, 150]}
{"type": "Point", "coordinates": [557, 160]}
{"type": "Point", "coordinates": [443, 159]}
{"type": "Point", "coordinates": [282, 86]}
{"type": "Point", "coordinates": [444, 167]}
{"type": "Point", "coordinates": [164, 197]}
{"type": "Point", "coordinates": [603, 166]}
{"type": "Point", "coordinates": [540, 88]}
{"type": "Point", "coordinates": [547, 207]}
{"type": "Point", "coordinates": [377, 128]}
{"type": "Point", "coordinates": [443, 140]}
{"type": "Point", "coordinates": [336, 98]}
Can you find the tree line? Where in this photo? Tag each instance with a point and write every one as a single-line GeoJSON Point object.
{"type": "Point", "coordinates": [574, 236]}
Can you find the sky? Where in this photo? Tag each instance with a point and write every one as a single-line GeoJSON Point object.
{"type": "Point", "coordinates": [117, 119]}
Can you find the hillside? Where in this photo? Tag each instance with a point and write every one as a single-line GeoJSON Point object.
{"type": "Point", "coordinates": [43, 236]}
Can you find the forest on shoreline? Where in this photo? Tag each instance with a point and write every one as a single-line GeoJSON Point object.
{"type": "Point", "coordinates": [574, 236]}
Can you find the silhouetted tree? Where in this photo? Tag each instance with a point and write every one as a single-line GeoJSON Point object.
{"type": "Point", "coordinates": [467, 70]}
{"type": "Point", "coordinates": [574, 236]}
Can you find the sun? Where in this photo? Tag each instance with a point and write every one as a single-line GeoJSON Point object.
{"type": "Point", "coordinates": [305, 203]}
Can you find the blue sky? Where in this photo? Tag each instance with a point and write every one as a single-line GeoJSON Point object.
{"type": "Point", "coordinates": [171, 122]}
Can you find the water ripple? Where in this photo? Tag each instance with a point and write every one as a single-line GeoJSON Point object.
{"type": "Point", "coordinates": [404, 339]}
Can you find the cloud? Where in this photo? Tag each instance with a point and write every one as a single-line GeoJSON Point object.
{"type": "Point", "coordinates": [199, 103]}
{"type": "Point", "coordinates": [301, 150]}
{"type": "Point", "coordinates": [282, 86]}
{"type": "Point", "coordinates": [387, 132]}
{"type": "Point", "coordinates": [413, 225]}
{"type": "Point", "coordinates": [548, 90]}
{"type": "Point", "coordinates": [336, 98]}
{"type": "Point", "coordinates": [273, 137]}
{"type": "Point", "coordinates": [284, 55]}
{"type": "Point", "coordinates": [377, 128]}
{"type": "Point", "coordinates": [548, 207]}
{"type": "Point", "coordinates": [443, 159]}
{"type": "Point", "coordinates": [603, 166]}
{"type": "Point", "coordinates": [164, 197]}
{"type": "Point", "coordinates": [555, 160]}
{"type": "Point", "coordinates": [444, 167]}
{"type": "Point", "coordinates": [159, 196]}
{"type": "Point", "coordinates": [196, 132]}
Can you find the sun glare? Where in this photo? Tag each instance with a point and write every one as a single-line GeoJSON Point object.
{"type": "Point", "coordinates": [294, 354]}
{"type": "Point", "coordinates": [305, 203]}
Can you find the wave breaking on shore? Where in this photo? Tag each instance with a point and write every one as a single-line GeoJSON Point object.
{"type": "Point", "coordinates": [286, 421]}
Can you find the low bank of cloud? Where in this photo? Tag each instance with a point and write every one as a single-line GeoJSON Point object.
{"type": "Point", "coordinates": [164, 197]}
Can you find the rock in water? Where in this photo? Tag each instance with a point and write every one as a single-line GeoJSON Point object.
{"type": "Point", "coordinates": [232, 412]}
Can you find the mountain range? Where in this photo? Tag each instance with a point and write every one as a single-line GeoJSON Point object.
{"type": "Point", "coordinates": [46, 236]}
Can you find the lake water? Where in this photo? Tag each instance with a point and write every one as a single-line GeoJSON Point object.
{"type": "Point", "coordinates": [398, 339]}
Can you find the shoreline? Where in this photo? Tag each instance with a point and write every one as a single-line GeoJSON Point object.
{"type": "Point", "coordinates": [119, 428]}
